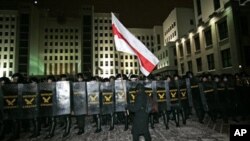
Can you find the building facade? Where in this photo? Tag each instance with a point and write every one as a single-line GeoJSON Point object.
{"type": "Point", "coordinates": [8, 42]}
{"type": "Point", "coordinates": [177, 24]}
{"type": "Point", "coordinates": [212, 46]}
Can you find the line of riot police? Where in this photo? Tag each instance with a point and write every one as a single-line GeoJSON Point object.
{"type": "Point", "coordinates": [170, 98]}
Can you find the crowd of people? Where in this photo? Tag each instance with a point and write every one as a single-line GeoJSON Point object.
{"type": "Point", "coordinates": [220, 96]}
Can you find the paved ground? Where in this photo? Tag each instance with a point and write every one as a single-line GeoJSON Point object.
{"type": "Point", "coordinates": [192, 131]}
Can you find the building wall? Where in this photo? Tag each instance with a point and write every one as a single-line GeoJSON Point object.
{"type": "Point", "coordinates": [178, 23]}
{"type": "Point", "coordinates": [220, 43]}
{"type": "Point", "coordinates": [8, 42]}
{"type": "Point", "coordinates": [60, 46]}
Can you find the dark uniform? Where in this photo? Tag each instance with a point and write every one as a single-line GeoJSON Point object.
{"type": "Point", "coordinates": [140, 122]}
{"type": "Point", "coordinates": [195, 92]}
{"type": "Point", "coordinates": [81, 118]}
{"type": "Point", "coordinates": [211, 100]}
{"type": "Point", "coordinates": [222, 98]}
{"type": "Point", "coordinates": [3, 128]}
{"type": "Point", "coordinates": [64, 120]}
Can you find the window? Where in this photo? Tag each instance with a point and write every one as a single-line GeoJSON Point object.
{"type": "Point", "coordinates": [182, 68]}
{"type": "Point", "coordinates": [198, 2]}
{"type": "Point", "coordinates": [208, 36]}
{"type": "Point", "coordinates": [223, 31]}
{"type": "Point", "coordinates": [158, 39]}
{"type": "Point", "coordinates": [188, 47]}
{"type": "Point", "coordinates": [199, 64]}
{"type": "Point", "coordinates": [216, 4]}
{"type": "Point", "coordinates": [210, 61]}
{"type": "Point", "coordinates": [244, 25]}
{"type": "Point", "coordinates": [190, 66]}
{"type": "Point", "coordinates": [197, 43]}
{"type": "Point", "coordinates": [191, 23]}
{"type": "Point", "coordinates": [226, 58]}
{"type": "Point", "coordinates": [181, 50]}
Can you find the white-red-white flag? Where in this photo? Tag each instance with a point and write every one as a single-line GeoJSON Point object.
{"type": "Point", "coordinates": [127, 42]}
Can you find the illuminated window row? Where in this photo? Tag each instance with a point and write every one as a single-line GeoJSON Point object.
{"type": "Point", "coordinates": [6, 56]}
{"type": "Point", "coordinates": [170, 28]}
{"type": "Point", "coordinates": [111, 48]}
{"type": "Point", "coordinates": [60, 50]}
{"type": "Point", "coordinates": [102, 21]}
{"type": "Point", "coordinates": [61, 58]}
{"type": "Point", "coordinates": [62, 30]}
{"type": "Point", "coordinates": [103, 28]}
{"type": "Point", "coordinates": [6, 49]}
{"type": "Point", "coordinates": [61, 44]}
{"type": "Point", "coordinates": [5, 65]}
{"type": "Point", "coordinates": [6, 18]}
{"type": "Point", "coordinates": [103, 41]}
{"type": "Point", "coordinates": [7, 33]}
{"type": "Point", "coordinates": [62, 37]}
{"type": "Point", "coordinates": [12, 41]}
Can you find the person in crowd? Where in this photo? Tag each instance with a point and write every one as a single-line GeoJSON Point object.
{"type": "Point", "coordinates": [196, 96]}
{"type": "Point", "coordinates": [3, 123]}
{"type": "Point", "coordinates": [81, 118]}
{"type": "Point", "coordinates": [141, 121]}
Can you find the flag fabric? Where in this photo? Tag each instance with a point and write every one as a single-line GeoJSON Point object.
{"type": "Point", "coordinates": [127, 42]}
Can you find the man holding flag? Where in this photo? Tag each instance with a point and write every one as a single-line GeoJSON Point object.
{"type": "Point", "coordinates": [127, 42]}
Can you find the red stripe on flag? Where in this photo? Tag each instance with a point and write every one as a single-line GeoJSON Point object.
{"type": "Point", "coordinates": [144, 61]}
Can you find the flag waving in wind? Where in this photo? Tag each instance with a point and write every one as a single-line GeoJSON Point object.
{"type": "Point", "coordinates": [127, 42]}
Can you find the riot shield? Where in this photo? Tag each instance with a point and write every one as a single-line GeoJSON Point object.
{"type": "Point", "coordinates": [183, 90]}
{"type": "Point", "coordinates": [189, 93]}
{"type": "Point", "coordinates": [79, 98]}
{"type": "Point", "coordinates": [120, 95]}
{"type": "Point", "coordinates": [61, 99]}
{"type": "Point", "coordinates": [1, 103]}
{"type": "Point", "coordinates": [29, 100]}
{"type": "Point", "coordinates": [203, 98]}
{"type": "Point", "coordinates": [173, 92]}
{"type": "Point", "coordinates": [11, 104]}
{"type": "Point", "coordinates": [93, 91]}
{"type": "Point", "coordinates": [131, 92]}
{"type": "Point", "coordinates": [150, 90]}
{"type": "Point", "coordinates": [107, 98]}
{"type": "Point", "coordinates": [161, 95]}
{"type": "Point", "coordinates": [46, 91]}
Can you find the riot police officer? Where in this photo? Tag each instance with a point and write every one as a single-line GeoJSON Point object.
{"type": "Point", "coordinates": [81, 118]}
{"type": "Point", "coordinates": [3, 127]}
{"type": "Point", "coordinates": [196, 96]}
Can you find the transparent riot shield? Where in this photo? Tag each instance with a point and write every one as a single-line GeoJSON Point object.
{"type": "Point", "coordinates": [79, 98]}
{"type": "Point", "coordinates": [61, 99]}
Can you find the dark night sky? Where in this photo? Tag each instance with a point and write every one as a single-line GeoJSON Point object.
{"type": "Point", "coordinates": [133, 13]}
